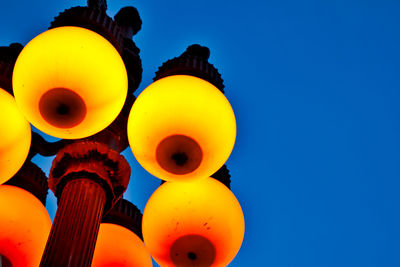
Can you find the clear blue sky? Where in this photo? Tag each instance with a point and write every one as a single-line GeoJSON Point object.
{"type": "Point", "coordinates": [315, 86]}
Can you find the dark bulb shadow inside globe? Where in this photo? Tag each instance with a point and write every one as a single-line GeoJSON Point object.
{"type": "Point", "coordinates": [62, 108]}
{"type": "Point", "coordinates": [192, 251]}
{"type": "Point", "coordinates": [179, 154]}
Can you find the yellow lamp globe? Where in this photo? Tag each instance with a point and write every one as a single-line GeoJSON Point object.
{"type": "Point", "coordinates": [15, 137]}
{"type": "Point", "coordinates": [193, 224]}
{"type": "Point", "coordinates": [119, 247]}
{"type": "Point", "coordinates": [70, 82]}
{"type": "Point", "coordinates": [181, 127]}
{"type": "Point", "coordinates": [24, 227]}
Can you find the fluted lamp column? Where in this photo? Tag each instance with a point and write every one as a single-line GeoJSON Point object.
{"type": "Point", "coordinates": [87, 178]}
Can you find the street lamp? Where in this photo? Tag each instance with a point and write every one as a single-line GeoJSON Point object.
{"type": "Point", "coordinates": [76, 82]}
{"type": "Point", "coordinates": [192, 132]}
{"type": "Point", "coordinates": [198, 223]}
{"type": "Point", "coordinates": [66, 79]}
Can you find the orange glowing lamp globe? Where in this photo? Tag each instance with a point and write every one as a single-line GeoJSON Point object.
{"type": "Point", "coordinates": [117, 246]}
{"type": "Point", "coordinates": [193, 224]}
{"type": "Point", "coordinates": [15, 137]}
{"type": "Point", "coordinates": [24, 227]}
{"type": "Point", "coordinates": [70, 82]}
{"type": "Point", "coordinates": [181, 127]}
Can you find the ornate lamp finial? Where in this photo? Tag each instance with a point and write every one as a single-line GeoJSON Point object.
{"type": "Point", "coordinates": [97, 4]}
{"type": "Point", "coordinates": [128, 18]}
{"type": "Point", "coordinates": [194, 62]}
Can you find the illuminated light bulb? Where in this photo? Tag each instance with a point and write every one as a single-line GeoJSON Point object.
{"type": "Point", "coordinates": [198, 223]}
{"type": "Point", "coordinates": [15, 137]}
{"type": "Point", "coordinates": [24, 227]}
{"type": "Point", "coordinates": [70, 82]}
{"type": "Point", "coordinates": [119, 247]}
{"type": "Point", "coordinates": [181, 127]}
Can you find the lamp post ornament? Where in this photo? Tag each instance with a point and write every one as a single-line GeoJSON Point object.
{"type": "Point", "coordinates": [76, 82]}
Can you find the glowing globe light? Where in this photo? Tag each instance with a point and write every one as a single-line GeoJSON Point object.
{"type": "Point", "coordinates": [181, 127]}
{"type": "Point", "coordinates": [70, 82]}
{"type": "Point", "coordinates": [24, 227]}
{"type": "Point", "coordinates": [197, 223]}
{"type": "Point", "coordinates": [118, 246]}
{"type": "Point", "coordinates": [15, 137]}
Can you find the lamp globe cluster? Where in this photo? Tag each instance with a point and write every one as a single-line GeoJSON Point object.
{"type": "Point", "coordinates": [75, 82]}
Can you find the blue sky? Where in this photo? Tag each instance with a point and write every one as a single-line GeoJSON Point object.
{"type": "Point", "coordinates": [315, 88]}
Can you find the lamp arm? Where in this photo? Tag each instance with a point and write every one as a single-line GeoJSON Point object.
{"type": "Point", "coordinates": [44, 148]}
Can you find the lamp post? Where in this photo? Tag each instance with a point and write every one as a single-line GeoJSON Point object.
{"type": "Point", "coordinates": [76, 82]}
